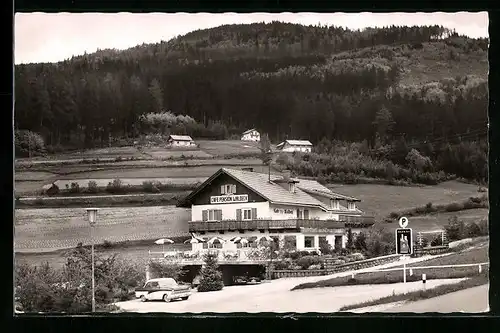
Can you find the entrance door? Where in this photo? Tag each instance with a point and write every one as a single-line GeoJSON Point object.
{"type": "Point", "coordinates": [338, 242]}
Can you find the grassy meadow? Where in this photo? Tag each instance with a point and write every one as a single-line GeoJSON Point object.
{"type": "Point", "coordinates": [40, 227]}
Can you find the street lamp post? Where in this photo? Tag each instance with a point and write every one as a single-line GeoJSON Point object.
{"type": "Point", "coordinates": [92, 217]}
{"type": "Point", "coordinates": [270, 154]}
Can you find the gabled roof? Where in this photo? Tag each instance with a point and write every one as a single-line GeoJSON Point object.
{"type": "Point", "coordinates": [180, 137]}
{"type": "Point", "coordinates": [298, 142]}
{"type": "Point", "coordinates": [250, 130]}
{"type": "Point", "coordinates": [271, 191]}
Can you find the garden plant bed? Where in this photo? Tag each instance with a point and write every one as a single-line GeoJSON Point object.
{"type": "Point", "coordinates": [479, 255]}
{"type": "Point", "coordinates": [331, 269]}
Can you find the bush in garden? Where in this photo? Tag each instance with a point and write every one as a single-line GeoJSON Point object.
{"type": "Point", "coordinates": [282, 264]}
{"type": "Point", "coordinates": [165, 270]}
{"type": "Point", "coordinates": [74, 188]}
{"type": "Point", "coordinates": [437, 241]}
{"type": "Point", "coordinates": [483, 227]}
{"type": "Point", "coordinates": [211, 277]}
{"type": "Point", "coordinates": [47, 289]}
{"type": "Point", "coordinates": [350, 239]}
{"type": "Point", "coordinates": [379, 242]}
{"type": "Point", "coordinates": [472, 230]}
{"type": "Point", "coordinates": [151, 187]}
{"type": "Point", "coordinates": [454, 207]}
{"type": "Point", "coordinates": [116, 186]}
{"type": "Point", "coordinates": [360, 242]}
{"type": "Point", "coordinates": [455, 228]}
{"type": "Point", "coordinates": [324, 246]}
{"type": "Point", "coordinates": [92, 187]}
{"type": "Point", "coordinates": [306, 261]}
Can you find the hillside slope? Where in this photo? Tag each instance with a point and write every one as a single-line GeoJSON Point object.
{"type": "Point", "coordinates": [286, 79]}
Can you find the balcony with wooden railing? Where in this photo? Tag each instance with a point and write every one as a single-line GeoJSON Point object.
{"type": "Point", "coordinates": [362, 221]}
{"type": "Point", "coordinates": [273, 225]}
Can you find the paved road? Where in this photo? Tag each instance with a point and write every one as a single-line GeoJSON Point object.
{"type": "Point", "coordinates": [275, 296]}
{"type": "Point", "coordinates": [472, 300]}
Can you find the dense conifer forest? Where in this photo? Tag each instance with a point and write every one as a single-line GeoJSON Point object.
{"type": "Point", "coordinates": [416, 97]}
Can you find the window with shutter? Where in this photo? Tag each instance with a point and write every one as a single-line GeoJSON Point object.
{"type": "Point", "coordinates": [222, 189]}
{"type": "Point", "coordinates": [238, 214]}
{"type": "Point", "coordinates": [254, 213]}
{"type": "Point", "coordinates": [306, 214]}
{"type": "Point", "coordinates": [204, 215]}
{"type": "Point", "coordinates": [219, 215]}
{"type": "Point", "coordinates": [234, 189]}
{"type": "Point", "coordinates": [247, 214]}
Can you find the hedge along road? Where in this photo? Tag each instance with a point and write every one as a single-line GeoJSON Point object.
{"type": "Point", "coordinates": [275, 296]}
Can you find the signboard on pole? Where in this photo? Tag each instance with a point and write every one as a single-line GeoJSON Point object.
{"type": "Point", "coordinates": [404, 241]}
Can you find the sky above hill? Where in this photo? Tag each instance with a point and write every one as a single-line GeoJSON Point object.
{"type": "Point", "coordinates": [52, 37]}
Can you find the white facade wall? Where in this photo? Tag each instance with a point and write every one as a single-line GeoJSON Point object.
{"type": "Point", "coordinates": [290, 149]}
{"type": "Point", "coordinates": [177, 143]}
{"type": "Point", "coordinates": [252, 136]}
{"type": "Point", "coordinates": [283, 212]}
{"type": "Point", "coordinates": [265, 210]}
{"type": "Point", "coordinates": [229, 210]}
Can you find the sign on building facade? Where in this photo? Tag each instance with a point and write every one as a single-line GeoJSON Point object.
{"type": "Point", "coordinates": [229, 199]}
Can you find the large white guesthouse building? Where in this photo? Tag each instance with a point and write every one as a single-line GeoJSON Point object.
{"type": "Point", "coordinates": [242, 203]}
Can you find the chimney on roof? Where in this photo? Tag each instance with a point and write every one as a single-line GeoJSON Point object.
{"type": "Point", "coordinates": [247, 169]}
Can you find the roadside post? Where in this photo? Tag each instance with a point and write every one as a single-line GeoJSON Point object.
{"type": "Point", "coordinates": [404, 243]}
{"type": "Point", "coordinates": [424, 279]}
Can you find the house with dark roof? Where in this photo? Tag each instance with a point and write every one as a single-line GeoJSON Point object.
{"type": "Point", "coordinates": [304, 146]}
{"type": "Point", "coordinates": [246, 204]}
{"type": "Point", "coordinates": [251, 135]}
{"type": "Point", "coordinates": [180, 141]}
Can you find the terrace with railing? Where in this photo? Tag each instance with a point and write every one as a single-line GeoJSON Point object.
{"type": "Point", "coordinates": [288, 224]}
{"type": "Point", "coordinates": [240, 256]}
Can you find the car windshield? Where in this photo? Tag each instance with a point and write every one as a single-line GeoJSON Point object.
{"type": "Point", "coordinates": [169, 284]}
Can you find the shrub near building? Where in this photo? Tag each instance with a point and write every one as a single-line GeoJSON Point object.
{"type": "Point", "coordinates": [211, 277]}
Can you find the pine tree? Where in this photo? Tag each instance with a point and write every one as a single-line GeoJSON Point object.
{"type": "Point", "coordinates": [350, 239]}
{"type": "Point", "coordinates": [211, 277]}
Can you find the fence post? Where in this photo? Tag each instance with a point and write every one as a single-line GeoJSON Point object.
{"type": "Point", "coordinates": [424, 279]}
{"type": "Point", "coordinates": [411, 272]}
{"type": "Point", "coordinates": [480, 269]}
{"type": "Point", "coordinates": [404, 273]}
{"type": "Point", "coordinates": [352, 275]}
{"type": "Point", "coordinates": [148, 274]}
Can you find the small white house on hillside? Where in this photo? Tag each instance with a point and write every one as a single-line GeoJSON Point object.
{"type": "Point", "coordinates": [251, 135]}
{"type": "Point", "coordinates": [180, 141]}
{"type": "Point", "coordinates": [304, 146]}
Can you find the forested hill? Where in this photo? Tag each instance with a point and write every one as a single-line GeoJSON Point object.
{"type": "Point", "coordinates": [287, 80]}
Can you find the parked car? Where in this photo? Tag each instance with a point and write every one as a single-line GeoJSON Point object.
{"type": "Point", "coordinates": [245, 279]}
{"type": "Point", "coordinates": [165, 289]}
{"type": "Point", "coordinates": [196, 281]}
